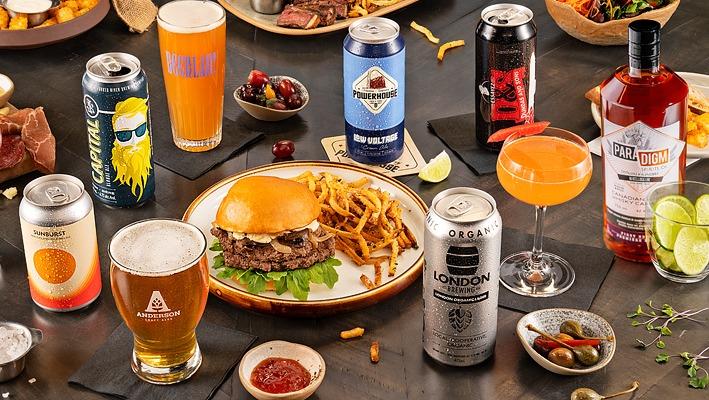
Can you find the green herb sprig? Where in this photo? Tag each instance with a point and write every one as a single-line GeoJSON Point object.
{"type": "Point", "coordinates": [666, 314]}
{"type": "Point", "coordinates": [698, 375]}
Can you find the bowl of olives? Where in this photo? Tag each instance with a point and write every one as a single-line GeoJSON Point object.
{"type": "Point", "coordinates": [271, 98]}
{"type": "Point", "coordinates": [567, 341]}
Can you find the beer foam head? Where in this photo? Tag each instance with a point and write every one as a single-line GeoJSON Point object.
{"type": "Point", "coordinates": [157, 247]}
{"type": "Point", "coordinates": [190, 16]}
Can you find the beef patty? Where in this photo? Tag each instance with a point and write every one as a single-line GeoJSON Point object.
{"type": "Point", "coordinates": [247, 254]}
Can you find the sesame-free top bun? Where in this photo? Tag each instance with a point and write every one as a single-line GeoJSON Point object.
{"type": "Point", "coordinates": [264, 204]}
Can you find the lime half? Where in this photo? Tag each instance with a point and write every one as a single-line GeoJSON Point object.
{"type": "Point", "coordinates": [702, 207]}
{"type": "Point", "coordinates": [437, 169]}
{"type": "Point", "coordinates": [692, 250]}
{"type": "Point", "coordinates": [667, 227]}
{"type": "Point", "coordinates": [681, 201]}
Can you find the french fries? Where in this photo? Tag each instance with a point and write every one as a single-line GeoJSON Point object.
{"type": "Point", "coordinates": [427, 32]}
{"type": "Point", "coordinates": [352, 333]}
{"type": "Point", "coordinates": [365, 221]}
{"type": "Point", "coordinates": [449, 45]}
{"type": "Point", "coordinates": [374, 352]}
{"type": "Point", "coordinates": [361, 8]}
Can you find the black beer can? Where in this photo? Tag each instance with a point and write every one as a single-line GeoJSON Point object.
{"type": "Point", "coordinates": [505, 43]}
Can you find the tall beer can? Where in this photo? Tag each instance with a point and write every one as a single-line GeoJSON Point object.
{"type": "Point", "coordinates": [505, 76]}
{"type": "Point", "coordinates": [59, 237]}
{"type": "Point", "coordinates": [374, 69]}
{"type": "Point", "coordinates": [117, 110]}
{"type": "Point", "coordinates": [460, 279]}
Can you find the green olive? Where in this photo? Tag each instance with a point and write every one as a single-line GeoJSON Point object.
{"type": "Point", "coordinates": [562, 357]}
{"type": "Point", "coordinates": [585, 394]}
{"type": "Point", "coordinates": [587, 355]}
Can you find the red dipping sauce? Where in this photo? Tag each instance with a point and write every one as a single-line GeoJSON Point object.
{"type": "Point", "coordinates": [280, 375]}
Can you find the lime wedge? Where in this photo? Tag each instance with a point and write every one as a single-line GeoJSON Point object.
{"type": "Point", "coordinates": [692, 250]}
{"type": "Point", "coordinates": [667, 259]}
{"type": "Point", "coordinates": [681, 201]}
{"type": "Point", "coordinates": [667, 227]}
{"type": "Point", "coordinates": [437, 169]}
{"type": "Point", "coordinates": [702, 207]}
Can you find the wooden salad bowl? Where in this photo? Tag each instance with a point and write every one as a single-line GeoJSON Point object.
{"type": "Point", "coordinates": [606, 33]}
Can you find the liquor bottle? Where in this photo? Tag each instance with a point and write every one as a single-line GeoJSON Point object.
{"type": "Point", "coordinates": [644, 110]}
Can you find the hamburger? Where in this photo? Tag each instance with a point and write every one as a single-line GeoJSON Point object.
{"type": "Point", "coordinates": [269, 237]}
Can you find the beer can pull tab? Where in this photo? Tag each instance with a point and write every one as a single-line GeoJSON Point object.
{"type": "Point", "coordinates": [57, 194]}
{"type": "Point", "coordinates": [109, 66]}
{"type": "Point", "coordinates": [505, 17]}
{"type": "Point", "coordinates": [459, 206]}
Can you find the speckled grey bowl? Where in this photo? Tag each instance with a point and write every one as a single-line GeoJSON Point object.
{"type": "Point", "coordinates": [549, 320]}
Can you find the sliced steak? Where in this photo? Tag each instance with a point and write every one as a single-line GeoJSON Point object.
{"type": "Point", "coordinates": [339, 5]}
{"type": "Point", "coordinates": [296, 17]}
{"type": "Point", "coordinates": [39, 140]}
{"type": "Point", "coordinates": [11, 151]}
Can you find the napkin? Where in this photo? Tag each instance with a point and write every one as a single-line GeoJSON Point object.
{"type": "Point", "coordinates": [108, 371]}
{"type": "Point", "coordinates": [591, 265]}
{"type": "Point", "coordinates": [235, 138]}
{"type": "Point", "coordinates": [458, 133]}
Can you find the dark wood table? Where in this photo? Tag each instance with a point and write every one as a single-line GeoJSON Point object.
{"type": "Point", "coordinates": [51, 77]}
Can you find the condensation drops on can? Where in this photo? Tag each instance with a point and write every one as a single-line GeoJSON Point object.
{"type": "Point", "coordinates": [460, 280]}
{"type": "Point", "coordinates": [59, 238]}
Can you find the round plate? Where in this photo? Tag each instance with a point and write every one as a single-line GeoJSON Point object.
{"type": "Point", "coordinates": [38, 37]}
{"type": "Point", "coordinates": [698, 81]}
{"type": "Point", "coordinates": [349, 293]}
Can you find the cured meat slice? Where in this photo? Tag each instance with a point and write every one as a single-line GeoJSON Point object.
{"type": "Point", "coordinates": [11, 151]}
{"type": "Point", "coordinates": [39, 140]}
{"type": "Point", "coordinates": [9, 127]}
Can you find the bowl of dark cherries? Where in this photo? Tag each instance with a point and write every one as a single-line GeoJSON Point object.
{"type": "Point", "coordinates": [271, 98]}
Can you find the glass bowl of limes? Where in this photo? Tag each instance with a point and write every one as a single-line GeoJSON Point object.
{"type": "Point", "coordinates": [677, 230]}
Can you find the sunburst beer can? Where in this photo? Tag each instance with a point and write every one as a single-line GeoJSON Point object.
{"type": "Point", "coordinates": [117, 108]}
{"type": "Point", "coordinates": [59, 237]}
{"type": "Point", "coordinates": [460, 279]}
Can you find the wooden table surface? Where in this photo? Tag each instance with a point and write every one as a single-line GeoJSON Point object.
{"type": "Point", "coordinates": [566, 68]}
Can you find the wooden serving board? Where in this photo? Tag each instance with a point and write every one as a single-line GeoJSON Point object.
{"type": "Point", "coordinates": [242, 10]}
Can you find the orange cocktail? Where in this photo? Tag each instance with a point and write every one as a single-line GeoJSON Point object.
{"type": "Point", "coordinates": [192, 36]}
{"type": "Point", "coordinates": [546, 169]}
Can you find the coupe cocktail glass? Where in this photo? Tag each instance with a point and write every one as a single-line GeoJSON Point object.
{"type": "Point", "coordinates": [543, 170]}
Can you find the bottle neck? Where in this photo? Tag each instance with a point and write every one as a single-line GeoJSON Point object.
{"type": "Point", "coordinates": [636, 71]}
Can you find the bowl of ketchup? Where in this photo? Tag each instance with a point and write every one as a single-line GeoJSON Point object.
{"type": "Point", "coordinates": [281, 370]}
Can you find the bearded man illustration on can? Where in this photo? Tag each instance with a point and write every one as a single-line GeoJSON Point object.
{"type": "Point", "coordinates": [117, 109]}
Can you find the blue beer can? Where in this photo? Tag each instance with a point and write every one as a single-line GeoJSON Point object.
{"type": "Point", "coordinates": [374, 68]}
{"type": "Point", "coordinates": [116, 104]}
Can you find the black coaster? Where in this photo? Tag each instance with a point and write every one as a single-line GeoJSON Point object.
{"type": "Point", "coordinates": [458, 133]}
{"type": "Point", "coordinates": [108, 370]}
{"type": "Point", "coordinates": [591, 265]}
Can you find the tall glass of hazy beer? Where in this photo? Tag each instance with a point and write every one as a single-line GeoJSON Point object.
{"type": "Point", "coordinates": [160, 283]}
{"type": "Point", "coordinates": [193, 49]}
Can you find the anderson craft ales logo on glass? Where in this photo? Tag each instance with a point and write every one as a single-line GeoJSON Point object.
{"type": "Point", "coordinates": [460, 283]}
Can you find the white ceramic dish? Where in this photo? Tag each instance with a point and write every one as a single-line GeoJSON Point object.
{"type": "Point", "coordinates": [549, 320]}
{"type": "Point", "coordinates": [270, 114]}
{"type": "Point", "coordinates": [699, 81]}
{"type": "Point", "coordinates": [6, 89]}
{"type": "Point", "coordinates": [309, 358]}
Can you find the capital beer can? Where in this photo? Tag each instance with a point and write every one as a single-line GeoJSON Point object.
{"type": "Point", "coordinates": [117, 110]}
{"type": "Point", "coordinates": [374, 81]}
{"type": "Point", "coordinates": [460, 279]}
{"type": "Point", "coordinates": [505, 76]}
{"type": "Point", "coordinates": [59, 237]}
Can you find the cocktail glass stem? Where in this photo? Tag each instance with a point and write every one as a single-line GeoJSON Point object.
{"type": "Point", "coordinates": [537, 271]}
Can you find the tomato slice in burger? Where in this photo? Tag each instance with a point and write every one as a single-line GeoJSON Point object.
{"type": "Point", "coordinates": [524, 130]}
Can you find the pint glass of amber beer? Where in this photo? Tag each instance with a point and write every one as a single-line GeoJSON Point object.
{"type": "Point", "coordinates": [192, 49]}
{"type": "Point", "coordinates": [160, 283]}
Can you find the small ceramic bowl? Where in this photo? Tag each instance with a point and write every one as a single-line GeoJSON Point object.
{"type": "Point", "coordinates": [269, 114]}
{"type": "Point", "coordinates": [12, 368]}
{"type": "Point", "coordinates": [6, 89]}
{"type": "Point", "coordinates": [309, 358]}
{"type": "Point", "coordinates": [549, 320]}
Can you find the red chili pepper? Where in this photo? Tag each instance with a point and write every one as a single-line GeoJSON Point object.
{"type": "Point", "coordinates": [524, 130]}
{"type": "Point", "coordinates": [548, 345]}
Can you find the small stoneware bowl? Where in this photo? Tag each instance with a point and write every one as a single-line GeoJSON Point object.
{"type": "Point", "coordinates": [309, 358]}
{"type": "Point", "coordinates": [12, 368]}
{"type": "Point", "coordinates": [549, 320]}
{"type": "Point", "coordinates": [270, 114]}
{"type": "Point", "coordinates": [6, 89]}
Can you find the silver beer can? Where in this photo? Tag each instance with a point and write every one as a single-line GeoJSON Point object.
{"type": "Point", "coordinates": [461, 276]}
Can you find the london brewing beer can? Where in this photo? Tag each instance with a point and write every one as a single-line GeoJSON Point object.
{"type": "Point", "coordinates": [59, 237]}
{"type": "Point", "coordinates": [374, 82]}
{"type": "Point", "coordinates": [460, 278]}
{"type": "Point", "coordinates": [505, 77]}
{"type": "Point", "coordinates": [117, 111]}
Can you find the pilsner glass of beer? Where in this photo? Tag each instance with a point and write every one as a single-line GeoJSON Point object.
{"type": "Point", "coordinates": [160, 282]}
{"type": "Point", "coordinates": [193, 49]}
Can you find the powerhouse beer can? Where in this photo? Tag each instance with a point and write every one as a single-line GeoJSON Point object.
{"type": "Point", "coordinates": [460, 279]}
{"type": "Point", "coordinates": [374, 82]}
{"type": "Point", "coordinates": [505, 77]}
{"type": "Point", "coordinates": [117, 108]}
{"type": "Point", "coordinates": [59, 238]}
